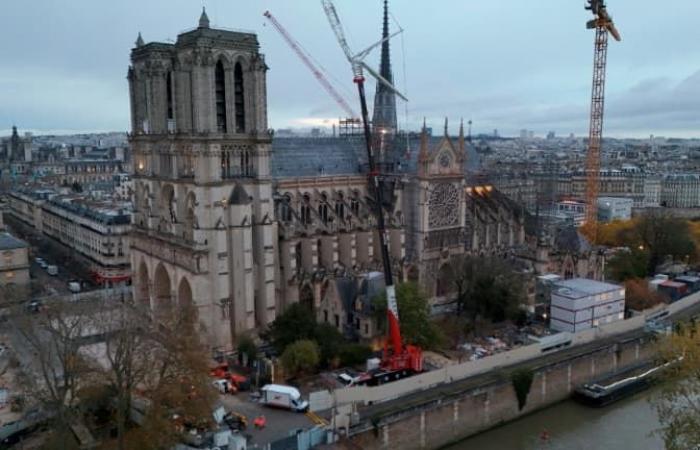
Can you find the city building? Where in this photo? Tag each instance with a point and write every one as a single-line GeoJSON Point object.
{"type": "Point", "coordinates": [612, 208]}
{"type": "Point", "coordinates": [14, 261]}
{"type": "Point", "coordinates": [579, 304]}
{"type": "Point", "coordinates": [94, 232]}
{"type": "Point", "coordinates": [680, 191]}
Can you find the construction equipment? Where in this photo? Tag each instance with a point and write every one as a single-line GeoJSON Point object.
{"type": "Point", "coordinates": [603, 25]}
{"type": "Point", "coordinates": [398, 360]}
{"type": "Point", "coordinates": [310, 65]}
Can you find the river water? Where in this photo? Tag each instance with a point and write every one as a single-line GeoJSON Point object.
{"type": "Point", "coordinates": [625, 425]}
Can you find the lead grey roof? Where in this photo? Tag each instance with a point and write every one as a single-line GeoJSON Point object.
{"type": "Point", "coordinates": [9, 242]}
{"type": "Point", "coordinates": [308, 157]}
{"type": "Point", "coordinates": [583, 287]}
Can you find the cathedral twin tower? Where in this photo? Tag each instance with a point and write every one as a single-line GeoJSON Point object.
{"type": "Point", "coordinates": [204, 229]}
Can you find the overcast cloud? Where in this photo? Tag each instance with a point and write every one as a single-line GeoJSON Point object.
{"type": "Point", "coordinates": [505, 64]}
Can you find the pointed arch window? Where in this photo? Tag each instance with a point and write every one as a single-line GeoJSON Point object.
{"type": "Point", "coordinates": [169, 95]}
{"type": "Point", "coordinates": [239, 98]}
{"type": "Point", "coordinates": [220, 85]}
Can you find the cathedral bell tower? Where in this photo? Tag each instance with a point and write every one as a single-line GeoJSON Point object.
{"type": "Point", "coordinates": [204, 230]}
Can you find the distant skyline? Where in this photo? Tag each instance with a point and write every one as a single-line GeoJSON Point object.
{"type": "Point", "coordinates": [504, 64]}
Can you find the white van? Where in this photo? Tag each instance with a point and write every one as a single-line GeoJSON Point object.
{"type": "Point", "coordinates": [281, 396]}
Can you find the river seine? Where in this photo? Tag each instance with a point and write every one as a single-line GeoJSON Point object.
{"type": "Point", "coordinates": [625, 425]}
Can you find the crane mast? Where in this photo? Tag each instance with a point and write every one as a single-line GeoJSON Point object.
{"type": "Point", "coordinates": [310, 65]}
{"type": "Point", "coordinates": [603, 26]}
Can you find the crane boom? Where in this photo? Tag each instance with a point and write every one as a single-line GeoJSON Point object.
{"type": "Point", "coordinates": [603, 26]}
{"type": "Point", "coordinates": [310, 65]}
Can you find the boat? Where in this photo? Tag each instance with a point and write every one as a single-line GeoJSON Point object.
{"type": "Point", "coordinates": [621, 385]}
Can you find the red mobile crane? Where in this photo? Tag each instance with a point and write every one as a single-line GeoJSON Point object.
{"type": "Point", "coordinates": [398, 360]}
{"type": "Point", "coordinates": [310, 65]}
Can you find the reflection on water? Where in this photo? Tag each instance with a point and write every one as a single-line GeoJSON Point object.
{"type": "Point", "coordinates": [623, 425]}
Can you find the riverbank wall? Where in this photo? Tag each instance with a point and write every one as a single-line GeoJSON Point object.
{"type": "Point", "coordinates": [448, 412]}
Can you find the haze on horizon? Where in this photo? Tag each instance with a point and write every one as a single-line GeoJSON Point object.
{"type": "Point", "coordinates": [505, 64]}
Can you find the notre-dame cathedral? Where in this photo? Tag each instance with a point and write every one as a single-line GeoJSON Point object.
{"type": "Point", "coordinates": [239, 223]}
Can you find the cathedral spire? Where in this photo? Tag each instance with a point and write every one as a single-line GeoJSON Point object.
{"type": "Point", "coordinates": [461, 138]}
{"type": "Point", "coordinates": [446, 130]}
{"type": "Point", "coordinates": [423, 154]}
{"type": "Point", "coordinates": [384, 116]}
{"type": "Point", "coordinates": [204, 19]}
{"type": "Point", "coordinates": [139, 41]}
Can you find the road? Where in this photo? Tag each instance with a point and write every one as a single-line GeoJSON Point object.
{"type": "Point", "coordinates": [427, 396]}
{"type": "Point", "coordinates": [279, 421]}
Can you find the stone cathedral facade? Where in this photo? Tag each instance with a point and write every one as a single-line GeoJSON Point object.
{"type": "Point", "coordinates": [241, 224]}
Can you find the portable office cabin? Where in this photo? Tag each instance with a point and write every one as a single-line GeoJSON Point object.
{"type": "Point", "coordinates": [673, 289]}
{"type": "Point", "coordinates": [692, 282]}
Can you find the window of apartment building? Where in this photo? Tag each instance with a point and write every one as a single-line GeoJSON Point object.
{"type": "Point", "coordinates": [337, 320]}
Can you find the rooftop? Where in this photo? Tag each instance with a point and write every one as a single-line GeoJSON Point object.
{"type": "Point", "coordinates": [582, 287]}
{"type": "Point", "coordinates": [9, 242]}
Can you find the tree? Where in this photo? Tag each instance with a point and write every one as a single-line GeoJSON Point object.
{"type": "Point", "coordinates": [58, 371]}
{"type": "Point", "coordinates": [664, 236]}
{"type": "Point", "coordinates": [296, 322]}
{"type": "Point", "coordinates": [247, 350]}
{"type": "Point", "coordinates": [330, 342]}
{"type": "Point", "coordinates": [414, 313]}
{"type": "Point", "coordinates": [638, 295]}
{"type": "Point", "coordinates": [678, 401]}
{"type": "Point", "coordinates": [354, 354]}
{"type": "Point", "coordinates": [302, 356]}
{"type": "Point", "coordinates": [131, 358]}
{"type": "Point", "coordinates": [487, 287]}
{"type": "Point", "coordinates": [629, 264]}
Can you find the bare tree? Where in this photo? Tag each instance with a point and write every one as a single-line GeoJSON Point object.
{"type": "Point", "coordinates": [165, 365]}
{"type": "Point", "coordinates": [54, 369]}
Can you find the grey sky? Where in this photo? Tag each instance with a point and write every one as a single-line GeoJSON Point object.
{"type": "Point", "coordinates": [506, 64]}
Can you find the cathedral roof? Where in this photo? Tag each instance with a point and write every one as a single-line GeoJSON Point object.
{"type": "Point", "coordinates": [309, 157]}
{"type": "Point", "coordinates": [569, 240]}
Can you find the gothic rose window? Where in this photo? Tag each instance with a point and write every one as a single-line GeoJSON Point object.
{"type": "Point", "coordinates": [444, 206]}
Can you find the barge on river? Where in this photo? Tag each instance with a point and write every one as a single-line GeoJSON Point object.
{"type": "Point", "coordinates": [616, 387]}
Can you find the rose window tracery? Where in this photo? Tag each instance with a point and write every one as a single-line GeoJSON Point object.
{"type": "Point", "coordinates": [444, 206]}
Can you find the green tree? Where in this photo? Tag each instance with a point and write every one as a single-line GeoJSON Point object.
{"type": "Point", "coordinates": [300, 357]}
{"type": "Point", "coordinates": [629, 264]}
{"type": "Point", "coordinates": [487, 287]}
{"type": "Point", "coordinates": [352, 354]}
{"type": "Point", "coordinates": [330, 342]}
{"type": "Point", "coordinates": [663, 235]}
{"type": "Point", "coordinates": [296, 322]}
{"type": "Point", "coordinates": [247, 350]}
{"type": "Point", "coordinates": [678, 401]}
{"type": "Point", "coordinates": [414, 314]}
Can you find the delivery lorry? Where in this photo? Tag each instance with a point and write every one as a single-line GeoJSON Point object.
{"type": "Point", "coordinates": [279, 396]}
